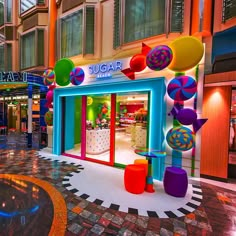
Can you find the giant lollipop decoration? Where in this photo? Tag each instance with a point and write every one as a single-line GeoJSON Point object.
{"type": "Point", "coordinates": [77, 76]}
{"type": "Point", "coordinates": [180, 138]}
{"type": "Point", "coordinates": [182, 88]}
{"type": "Point", "coordinates": [159, 57]}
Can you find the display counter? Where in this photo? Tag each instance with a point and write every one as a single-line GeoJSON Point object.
{"type": "Point", "coordinates": [97, 141]}
{"type": "Point", "coordinates": [138, 136]}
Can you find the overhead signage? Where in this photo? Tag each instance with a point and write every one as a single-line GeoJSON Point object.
{"type": "Point", "coordinates": [21, 77]}
{"type": "Point", "coordinates": [14, 77]}
{"type": "Point", "coordinates": [105, 69]}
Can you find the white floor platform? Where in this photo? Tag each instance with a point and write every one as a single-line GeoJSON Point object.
{"type": "Point", "coordinates": [105, 183]}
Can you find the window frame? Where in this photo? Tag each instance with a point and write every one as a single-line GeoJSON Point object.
{"type": "Point", "coordinates": [38, 3]}
{"type": "Point", "coordinates": [36, 49]}
{"type": "Point", "coordinates": [68, 14]}
{"type": "Point", "coordinates": [224, 18]}
{"type": "Point", "coordinates": [6, 57]}
{"type": "Point", "coordinates": [118, 37]}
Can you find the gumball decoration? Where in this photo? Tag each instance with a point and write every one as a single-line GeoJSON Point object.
{"type": "Point", "coordinates": [180, 138]}
{"type": "Point", "coordinates": [48, 117]}
{"type": "Point", "coordinates": [77, 76]}
{"type": "Point", "coordinates": [187, 53]}
{"type": "Point", "coordinates": [159, 58]}
{"type": "Point", "coordinates": [138, 62]}
{"type": "Point", "coordinates": [182, 88]}
{"type": "Point", "coordinates": [62, 70]}
{"type": "Point", "coordinates": [49, 77]}
{"type": "Point", "coordinates": [186, 116]}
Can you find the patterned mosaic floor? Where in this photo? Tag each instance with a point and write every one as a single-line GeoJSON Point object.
{"type": "Point", "coordinates": [216, 215]}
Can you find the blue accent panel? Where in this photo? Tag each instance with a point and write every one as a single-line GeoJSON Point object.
{"type": "Point", "coordinates": [69, 123]}
{"type": "Point", "coordinates": [176, 158]}
{"type": "Point", "coordinates": [29, 139]}
{"type": "Point", "coordinates": [224, 42]}
{"type": "Point", "coordinates": [156, 88]}
{"type": "Point", "coordinates": [43, 110]}
{"type": "Point", "coordinates": [30, 91]}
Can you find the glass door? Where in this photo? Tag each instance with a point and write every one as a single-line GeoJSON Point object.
{"type": "Point", "coordinates": [131, 126]}
{"type": "Point", "coordinates": [72, 126]}
{"type": "Point", "coordinates": [98, 127]}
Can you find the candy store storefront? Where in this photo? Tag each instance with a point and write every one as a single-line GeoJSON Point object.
{"type": "Point", "coordinates": [108, 109]}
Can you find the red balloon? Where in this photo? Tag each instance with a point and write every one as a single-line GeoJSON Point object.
{"type": "Point", "coordinates": [138, 62]}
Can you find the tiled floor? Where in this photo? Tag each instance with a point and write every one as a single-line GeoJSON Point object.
{"type": "Point", "coordinates": [215, 215]}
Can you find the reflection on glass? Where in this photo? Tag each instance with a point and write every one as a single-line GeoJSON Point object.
{"type": "Point", "coordinates": [98, 127]}
{"type": "Point", "coordinates": [131, 126]}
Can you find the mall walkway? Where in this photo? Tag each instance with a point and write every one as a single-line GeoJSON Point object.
{"type": "Point", "coordinates": [42, 194]}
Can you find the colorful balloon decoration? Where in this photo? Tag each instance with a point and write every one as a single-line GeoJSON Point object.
{"type": "Point", "coordinates": [180, 138]}
{"type": "Point", "coordinates": [48, 117]}
{"type": "Point", "coordinates": [159, 57]}
{"type": "Point", "coordinates": [49, 77]}
{"type": "Point", "coordinates": [77, 76]}
{"type": "Point", "coordinates": [182, 88]}
{"type": "Point", "coordinates": [62, 70]}
{"type": "Point", "coordinates": [187, 53]}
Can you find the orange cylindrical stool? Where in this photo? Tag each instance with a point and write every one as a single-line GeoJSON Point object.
{"type": "Point", "coordinates": [134, 178]}
{"type": "Point", "coordinates": [142, 162]}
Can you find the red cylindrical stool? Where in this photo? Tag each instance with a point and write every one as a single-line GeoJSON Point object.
{"type": "Point", "coordinates": [135, 178]}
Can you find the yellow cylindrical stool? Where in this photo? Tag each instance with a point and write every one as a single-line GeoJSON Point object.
{"type": "Point", "coordinates": [143, 162]}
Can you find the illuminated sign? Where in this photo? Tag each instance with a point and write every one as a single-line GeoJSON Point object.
{"type": "Point", "coordinates": [13, 77]}
{"type": "Point", "coordinates": [21, 77]}
{"type": "Point", "coordinates": [106, 69]}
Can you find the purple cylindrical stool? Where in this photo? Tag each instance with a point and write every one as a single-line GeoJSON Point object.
{"type": "Point", "coordinates": [175, 181]}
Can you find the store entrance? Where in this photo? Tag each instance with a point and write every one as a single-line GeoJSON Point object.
{"type": "Point", "coordinates": [106, 128]}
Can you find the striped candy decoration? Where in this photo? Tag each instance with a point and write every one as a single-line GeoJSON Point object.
{"type": "Point", "coordinates": [180, 138]}
{"type": "Point", "coordinates": [159, 57]}
{"type": "Point", "coordinates": [182, 88]}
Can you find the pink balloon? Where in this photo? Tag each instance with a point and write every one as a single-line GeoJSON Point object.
{"type": "Point", "coordinates": [49, 96]}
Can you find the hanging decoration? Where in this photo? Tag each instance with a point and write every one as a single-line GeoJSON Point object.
{"type": "Point", "coordinates": [77, 76]}
{"type": "Point", "coordinates": [48, 77]}
{"type": "Point", "coordinates": [62, 70]}
{"type": "Point", "coordinates": [182, 88]}
{"type": "Point", "coordinates": [159, 57]}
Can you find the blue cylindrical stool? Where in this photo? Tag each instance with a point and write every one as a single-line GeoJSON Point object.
{"type": "Point", "coordinates": [175, 181]}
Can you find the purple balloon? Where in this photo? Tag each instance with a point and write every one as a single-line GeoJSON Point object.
{"type": "Point", "coordinates": [186, 116]}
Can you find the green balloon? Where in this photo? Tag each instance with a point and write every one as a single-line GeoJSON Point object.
{"type": "Point", "coordinates": [62, 70]}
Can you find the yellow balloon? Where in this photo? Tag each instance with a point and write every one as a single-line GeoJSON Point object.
{"type": "Point", "coordinates": [187, 53]}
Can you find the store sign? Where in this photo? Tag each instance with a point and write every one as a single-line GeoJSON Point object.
{"type": "Point", "coordinates": [106, 69]}
{"type": "Point", "coordinates": [21, 77]}
{"type": "Point", "coordinates": [13, 77]}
